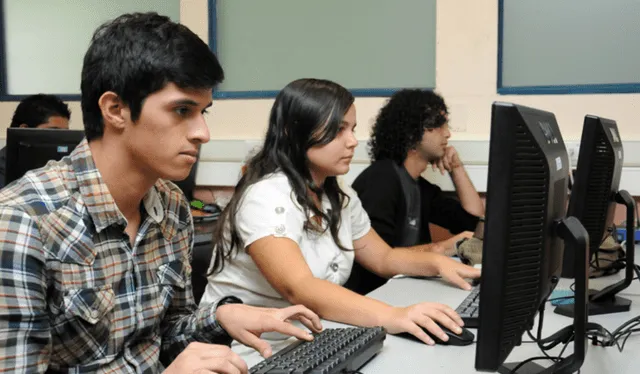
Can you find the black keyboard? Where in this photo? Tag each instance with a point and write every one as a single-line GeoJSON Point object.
{"type": "Point", "coordinates": [331, 351]}
{"type": "Point", "coordinates": [469, 308]}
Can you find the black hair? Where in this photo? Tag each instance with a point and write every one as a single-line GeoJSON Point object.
{"type": "Point", "coordinates": [401, 123]}
{"type": "Point", "coordinates": [138, 54]}
{"type": "Point", "coordinates": [37, 109]}
{"type": "Point", "coordinates": [306, 113]}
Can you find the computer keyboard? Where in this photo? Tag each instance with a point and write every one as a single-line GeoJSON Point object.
{"type": "Point", "coordinates": [340, 350]}
{"type": "Point", "coordinates": [469, 308]}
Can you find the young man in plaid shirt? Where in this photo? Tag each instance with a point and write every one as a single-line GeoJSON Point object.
{"type": "Point", "coordinates": [94, 258]}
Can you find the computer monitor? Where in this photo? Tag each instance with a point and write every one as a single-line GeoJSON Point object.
{"type": "Point", "coordinates": [525, 232]}
{"type": "Point", "coordinates": [593, 200]}
{"type": "Point", "coordinates": [32, 148]}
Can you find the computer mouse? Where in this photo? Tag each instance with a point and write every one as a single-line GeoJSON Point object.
{"type": "Point", "coordinates": [466, 337]}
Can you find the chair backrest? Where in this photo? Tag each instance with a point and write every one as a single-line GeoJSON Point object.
{"type": "Point", "coordinates": [200, 261]}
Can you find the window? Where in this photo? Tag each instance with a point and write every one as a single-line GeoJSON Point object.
{"type": "Point", "coordinates": [372, 47]}
{"type": "Point", "coordinates": [43, 42]}
{"type": "Point", "coordinates": [568, 46]}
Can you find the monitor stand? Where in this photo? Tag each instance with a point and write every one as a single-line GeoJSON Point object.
{"type": "Point", "coordinates": [575, 235]}
{"type": "Point", "coordinates": [612, 304]}
{"type": "Point", "coordinates": [528, 368]}
{"type": "Point", "coordinates": [605, 301]}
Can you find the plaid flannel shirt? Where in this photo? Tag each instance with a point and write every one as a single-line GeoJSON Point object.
{"type": "Point", "coordinates": [75, 295]}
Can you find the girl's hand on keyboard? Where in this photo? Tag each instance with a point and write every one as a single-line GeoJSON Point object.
{"type": "Point", "coordinates": [247, 323]}
{"type": "Point", "coordinates": [414, 318]}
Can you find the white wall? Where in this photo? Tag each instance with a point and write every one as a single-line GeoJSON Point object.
{"type": "Point", "coordinates": [466, 74]}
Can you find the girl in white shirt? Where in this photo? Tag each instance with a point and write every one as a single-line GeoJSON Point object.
{"type": "Point", "coordinates": [291, 231]}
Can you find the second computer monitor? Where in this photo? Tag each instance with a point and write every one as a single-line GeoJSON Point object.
{"type": "Point", "coordinates": [596, 182]}
{"type": "Point", "coordinates": [593, 201]}
{"type": "Point", "coordinates": [32, 148]}
{"type": "Point", "coordinates": [522, 253]}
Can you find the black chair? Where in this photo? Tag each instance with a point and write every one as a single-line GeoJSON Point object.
{"type": "Point", "coordinates": [200, 261]}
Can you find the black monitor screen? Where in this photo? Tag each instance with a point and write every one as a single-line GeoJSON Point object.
{"type": "Point", "coordinates": [522, 254]}
{"type": "Point", "coordinates": [29, 149]}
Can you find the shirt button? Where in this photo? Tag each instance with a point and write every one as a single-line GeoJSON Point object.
{"type": "Point", "coordinates": [139, 308]}
{"type": "Point", "coordinates": [280, 229]}
{"type": "Point", "coordinates": [94, 314]}
{"type": "Point", "coordinates": [335, 267]}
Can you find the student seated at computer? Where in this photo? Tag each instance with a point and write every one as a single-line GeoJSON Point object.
{"type": "Point", "coordinates": [37, 111]}
{"type": "Point", "coordinates": [291, 232]}
{"type": "Point", "coordinates": [410, 133]}
{"type": "Point", "coordinates": [95, 269]}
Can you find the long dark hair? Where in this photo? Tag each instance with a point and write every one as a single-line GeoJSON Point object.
{"type": "Point", "coordinates": [306, 113]}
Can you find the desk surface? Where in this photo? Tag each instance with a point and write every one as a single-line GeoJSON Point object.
{"type": "Point", "coordinates": [401, 355]}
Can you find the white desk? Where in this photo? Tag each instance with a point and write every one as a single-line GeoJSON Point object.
{"type": "Point", "coordinates": [402, 355]}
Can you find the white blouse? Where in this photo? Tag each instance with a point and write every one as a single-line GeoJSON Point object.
{"type": "Point", "coordinates": [269, 208]}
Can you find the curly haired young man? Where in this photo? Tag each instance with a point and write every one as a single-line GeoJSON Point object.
{"type": "Point", "coordinates": [411, 132]}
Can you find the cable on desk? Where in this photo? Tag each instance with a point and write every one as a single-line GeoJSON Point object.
{"type": "Point", "coordinates": [636, 268]}
{"type": "Point", "coordinates": [538, 338]}
{"type": "Point", "coordinates": [623, 332]}
{"type": "Point", "coordinates": [544, 348]}
{"type": "Point", "coordinates": [598, 335]}
{"type": "Point", "coordinates": [573, 336]}
{"type": "Point", "coordinates": [567, 334]}
{"type": "Point", "coordinates": [595, 332]}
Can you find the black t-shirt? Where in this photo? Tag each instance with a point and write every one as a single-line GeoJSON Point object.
{"type": "Point", "coordinates": [381, 191]}
{"type": "Point", "coordinates": [410, 227]}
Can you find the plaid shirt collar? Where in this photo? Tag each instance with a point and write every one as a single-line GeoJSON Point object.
{"type": "Point", "coordinates": [101, 206]}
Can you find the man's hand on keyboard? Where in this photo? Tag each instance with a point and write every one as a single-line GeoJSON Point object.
{"type": "Point", "coordinates": [207, 358]}
{"type": "Point", "coordinates": [455, 272]}
{"type": "Point", "coordinates": [247, 323]}
{"type": "Point", "coordinates": [413, 318]}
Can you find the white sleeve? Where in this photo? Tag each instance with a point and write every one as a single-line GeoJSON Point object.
{"type": "Point", "coordinates": [360, 223]}
{"type": "Point", "coordinates": [267, 209]}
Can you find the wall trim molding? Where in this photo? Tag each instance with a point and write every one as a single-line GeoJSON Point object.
{"type": "Point", "coordinates": [221, 161]}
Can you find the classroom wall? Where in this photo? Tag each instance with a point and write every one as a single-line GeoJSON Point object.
{"type": "Point", "coordinates": [466, 73]}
